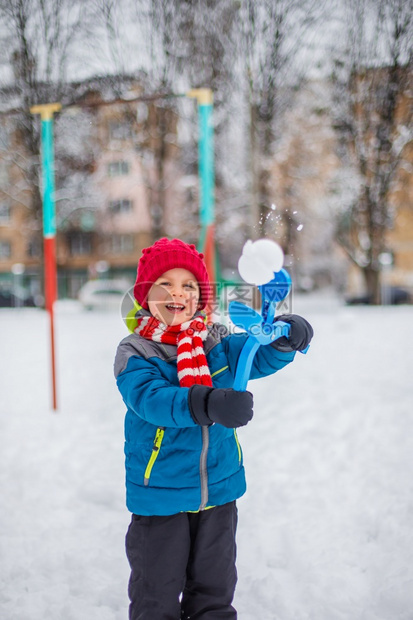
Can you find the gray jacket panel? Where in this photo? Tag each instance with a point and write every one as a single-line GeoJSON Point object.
{"type": "Point", "coordinates": [135, 345]}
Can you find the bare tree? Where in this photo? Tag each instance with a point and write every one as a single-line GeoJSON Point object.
{"type": "Point", "coordinates": [36, 39]}
{"type": "Point", "coordinates": [373, 79]}
{"type": "Point", "coordinates": [188, 45]}
{"type": "Point", "coordinates": [160, 19]}
{"type": "Point", "coordinates": [152, 24]}
{"type": "Point", "coordinates": [272, 36]}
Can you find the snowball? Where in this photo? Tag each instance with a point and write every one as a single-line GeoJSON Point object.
{"type": "Point", "coordinates": [259, 260]}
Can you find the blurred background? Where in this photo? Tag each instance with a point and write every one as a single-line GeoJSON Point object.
{"type": "Point", "coordinates": [313, 138]}
{"type": "Point", "coordinates": [313, 148]}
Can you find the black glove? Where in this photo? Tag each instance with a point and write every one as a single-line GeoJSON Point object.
{"type": "Point", "coordinates": [224, 406]}
{"type": "Point", "coordinates": [300, 336]}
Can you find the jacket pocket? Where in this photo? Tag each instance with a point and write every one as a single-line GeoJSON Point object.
{"type": "Point", "coordinates": [160, 431]}
{"type": "Point", "coordinates": [218, 372]}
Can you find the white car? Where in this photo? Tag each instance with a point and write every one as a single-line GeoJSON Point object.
{"type": "Point", "coordinates": [104, 294]}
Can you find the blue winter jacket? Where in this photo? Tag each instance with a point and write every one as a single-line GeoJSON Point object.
{"type": "Point", "coordinates": [172, 464]}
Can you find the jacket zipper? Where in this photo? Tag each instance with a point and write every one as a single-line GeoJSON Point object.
{"type": "Point", "coordinates": [160, 431]}
{"type": "Point", "coordinates": [203, 472]}
{"type": "Point", "coordinates": [203, 467]}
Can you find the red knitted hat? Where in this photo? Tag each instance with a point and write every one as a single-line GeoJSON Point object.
{"type": "Point", "coordinates": [167, 254]}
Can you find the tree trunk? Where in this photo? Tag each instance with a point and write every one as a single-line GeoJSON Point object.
{"type": "Point", "coordinates": [372, 280]}
{"type": "Point", "coordinates": [255, 185]}
{"type": "Point", "coordinates": [159, 201]}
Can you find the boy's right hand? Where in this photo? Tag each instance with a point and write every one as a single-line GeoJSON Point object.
{"type": "Point", "coordinates": [221, 405]}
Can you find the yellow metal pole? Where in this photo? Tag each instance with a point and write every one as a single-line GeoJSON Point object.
{"type": "Point", "coordinates": [204, 96]}
{"type": "Point", "coordinates": [46, 110]}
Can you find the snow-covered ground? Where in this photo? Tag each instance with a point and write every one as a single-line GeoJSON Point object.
{"type": "Point", "coordinates": [325, 529]}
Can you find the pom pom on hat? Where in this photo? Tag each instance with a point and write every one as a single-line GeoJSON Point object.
{"type": "Point", "coordinates": [167, 254]}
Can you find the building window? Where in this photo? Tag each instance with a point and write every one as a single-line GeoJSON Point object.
{"type": "Point", "coordinates": [141, 112]}
{"type": "Point", "coordinates": [4, 136]}
{"type": "Point", "coordinates": [122, 244]}
{"type": "Point", "coordinates": [5, 249]}
{"type": "Point", "coordinates": [118, 168]}
{"type": "Point", "coordinates": [120, 130]}
{"type": "Point", "coordinates": [34, 248]}
{"type": "Point", "coordinates": [80, 244]}
{"type": "Point", "coordinates": [120, 206]}
{"type": "Point", "coordinates": [4, 173]}
{"type": "Point", "coordinates": [5, 214]}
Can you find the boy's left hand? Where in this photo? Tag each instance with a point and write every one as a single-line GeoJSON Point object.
{"type": "Point", "coordinates": [300, 336]}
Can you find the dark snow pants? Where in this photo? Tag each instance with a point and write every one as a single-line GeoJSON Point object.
{"type": "Point", "coordinates": [183, 565]}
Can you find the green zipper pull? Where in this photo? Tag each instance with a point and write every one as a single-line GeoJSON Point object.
{"type": "Point", "coordinates": [154, 454]}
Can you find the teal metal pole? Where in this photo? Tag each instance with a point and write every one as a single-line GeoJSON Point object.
{"type": "Point", "coordinates": [206, 165]}
{"type": "Point", "coordinates": [49, 212]}
{"type": "Point", "coordinates": [206, 181]}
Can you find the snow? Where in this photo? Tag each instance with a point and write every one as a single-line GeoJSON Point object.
{"type": "Point", "coordinates": [259, 260]}
{"type": "Point", "coordinates": [325, 527]}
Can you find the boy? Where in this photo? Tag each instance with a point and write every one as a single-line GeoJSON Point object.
{"type": "Point", "coordinates": [184, 468]}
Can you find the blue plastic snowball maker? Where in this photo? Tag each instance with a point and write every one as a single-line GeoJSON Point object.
{"type": "Point", "coordinates": [260, 327]}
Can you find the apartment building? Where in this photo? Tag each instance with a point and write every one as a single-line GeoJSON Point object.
{"type": "Point", "coordinates": [117, 182]}
{"type": "Point", "coordinates": [311, 186]}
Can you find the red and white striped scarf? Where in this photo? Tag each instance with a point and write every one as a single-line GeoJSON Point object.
{"type": "Point", "coordinates": [189, 337]}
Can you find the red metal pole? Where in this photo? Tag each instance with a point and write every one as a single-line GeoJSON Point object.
{"type": "Point", "coordinates": [209, 253]}
{"type": "Point", "coordinates": [50, 278]}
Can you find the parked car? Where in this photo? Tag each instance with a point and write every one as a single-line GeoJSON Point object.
{"type": "Point", "coordinates": [103, 294]}
{"type": "Point", "coordinates": [18, 299]}
{"type": "Point", "coordinates": [392, 295]}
